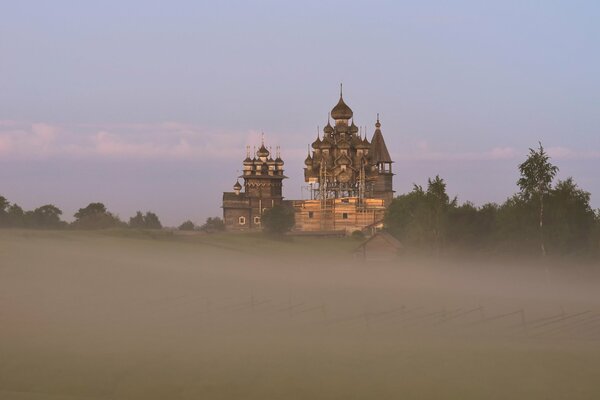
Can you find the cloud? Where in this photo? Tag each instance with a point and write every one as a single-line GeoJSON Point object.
{"type": "Point", "coordinates": [177, 140]}
{"type": "Point", "coordinates": [422, 151]}
{"type": "Point", "coordinates": [138, 140]}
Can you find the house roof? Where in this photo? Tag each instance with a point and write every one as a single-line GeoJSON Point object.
{"type": "Point", "coordinates": [392, 241]}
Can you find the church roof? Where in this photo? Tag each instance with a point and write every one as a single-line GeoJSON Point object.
{"type": "Point", "coordinates": [316, 143]}
{"type": "Point", "coordinates": [308, 160]}
{"type": "Point", "coordinates": [341, 110]}
{"type": "Point", "coordinates": [379, 151]}
{"type": "Point", "coordinates": [262, 152]}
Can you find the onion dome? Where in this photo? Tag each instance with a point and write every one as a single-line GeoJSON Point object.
{"type": "Point", "coordinates": [342, 128]}
{"type": "Point", "coordinates": [279, 161]}
{"type": "Point", "coordinates": [263, 152]}
{"type": "Point", "coordinates": [341, 110]}
{"type": "Point", "coordinates": [325, 143]}
{"type": "Point", "coordinates": [328, 128]}
{"type": "Point", "coordinates": [362, 143]}
{"type": "Point", "coordinates": [316, 144]}
{"type": "Point", "coordinates": [353, 128]}
{"type": "Point", "coordinates": [308, 160]}
{"type": "Point", "coordinates": [247, 161]}
{"type": "Point", "coordinates": [237, 186]}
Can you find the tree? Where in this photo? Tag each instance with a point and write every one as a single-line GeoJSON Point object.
{"type": "Point", "coordinates": [16, 216]}
{"type": "Point", "coordinates": [187, 226]}
{"type": "Point", "coordinates": [571, 220]}
{"type": "Point", "coordinates": [137, 221]}
{"type": "Point", "coordinates": [4, 203]}
{"type": "Point", "coordinates": [47, 216]}
{"type": "Point", "coordinates": [148, 221]}
{"type": "Point", "coordinates": [421, 217]}
{"type": "Point", "coordinates": [213, 224]}
{"type": "Point", "coordinates": [470, 226]}
{"type": "Point", "coordinates": [95, 216]}
{"type": "Point", "coordinates": [537, 174]}
{"type": "Point", "coordinates": [151, 221]}
{"type": "Point", "coordinates": [278, 220]}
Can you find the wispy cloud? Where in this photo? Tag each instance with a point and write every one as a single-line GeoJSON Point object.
{"type": "Point", "coordinates": [423, 151]}
{"type": "Point", "coordinates": [176, 140]}
{"type": "Point", "coordinates": [161, 140]}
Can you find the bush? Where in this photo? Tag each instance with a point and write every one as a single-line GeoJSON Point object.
{"type": "Point", "coordinates": [213, 224]}
{"type": "Point", "coordinates": [187, 226]}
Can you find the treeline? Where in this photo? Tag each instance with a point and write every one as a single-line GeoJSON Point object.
{"type": "Point", "coordinates": [93, 216]}
{"type": "Point", "coordinates": [544, 217]}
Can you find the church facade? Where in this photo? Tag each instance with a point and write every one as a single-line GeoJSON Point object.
{"type": "Point", "coordinates": [262, 187]}
{"type": "Point", "coordinates": [349, 177]}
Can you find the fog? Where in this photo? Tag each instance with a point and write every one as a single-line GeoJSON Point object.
{"type": "Point", "coordinates": [138, 316]}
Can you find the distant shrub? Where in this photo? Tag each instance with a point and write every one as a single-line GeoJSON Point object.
{"type": "Point", "coordinates": [187, 226]}
{"type": "Point", "coordinates": [213, 224]}
{"type": "Point", "coordinates": [148, 221]}
{"type": "Point", "coordinates": [96, 216]}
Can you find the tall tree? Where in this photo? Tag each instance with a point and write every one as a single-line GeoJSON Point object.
{"type": "Point", "coordinates": [95, 216]}
{"type": "Point", "coordinates": [16, 216]}
{"type": "Point", "coordinates": [278, 220]}
{"type": "Point", "coordinates": [151, 221]}
{"type": "Point", "coordinates": [570, 219]}
{"type": "Point", "coordinates": [4, 203]}
{"type": "Point", "coordinates": [537, 174]}
{"type": "Point", "coordinates": [47, 216]}
{"type": "Point", "coordinates": [137, 221]}
{"type": "Point", "coordinates": [421, 216]}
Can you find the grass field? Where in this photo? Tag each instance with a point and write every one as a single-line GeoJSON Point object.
{"type": "Point", "coordinates": [138, 315]}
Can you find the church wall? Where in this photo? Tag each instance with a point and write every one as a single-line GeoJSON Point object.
{"type": "Point", "coordinates": [337, 214]}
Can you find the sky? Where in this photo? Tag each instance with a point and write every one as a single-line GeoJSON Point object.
{"type": "Point", "coordinates": [148, 105]}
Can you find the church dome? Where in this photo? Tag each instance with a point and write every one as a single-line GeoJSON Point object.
{"type": "Point", "coordinates": [237, 186]}
{"type": "Point", "coordinates": [328, 128]}
{"type": "Point", "coordinates": [341, 110]}
{"type": "Point", "coordinates": [308, 160]}
{"type": "Point", "coordinates": [353, 128]}
{"type": "Point", "coordinates": [263, 152]}
{"type": "Point", "coordinates": [325, 143]}
{"type": "Point", "coordinates": [316, 144]}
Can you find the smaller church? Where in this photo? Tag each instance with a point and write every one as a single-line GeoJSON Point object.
{"type": "Point", "coordinates": [260, 190]}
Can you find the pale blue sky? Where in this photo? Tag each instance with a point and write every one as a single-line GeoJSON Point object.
{"type": "Point", "coordinates": [149, 105]}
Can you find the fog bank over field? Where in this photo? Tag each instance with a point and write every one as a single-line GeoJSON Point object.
{"type": "Point", "coordinates": [127, 315]}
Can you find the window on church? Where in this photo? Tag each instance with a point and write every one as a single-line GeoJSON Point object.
{"type": "Point", "coordinates": [311, 214]}
{"type": "Point", "coordinates": [345, 216]}
{"type": "Point", "coordinates": [257, 220]}
{"type": "Point", "coordinates": [242, 220]}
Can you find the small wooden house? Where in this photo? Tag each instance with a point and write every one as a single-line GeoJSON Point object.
{"type": "Point", "coordinates": [380, 247]}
